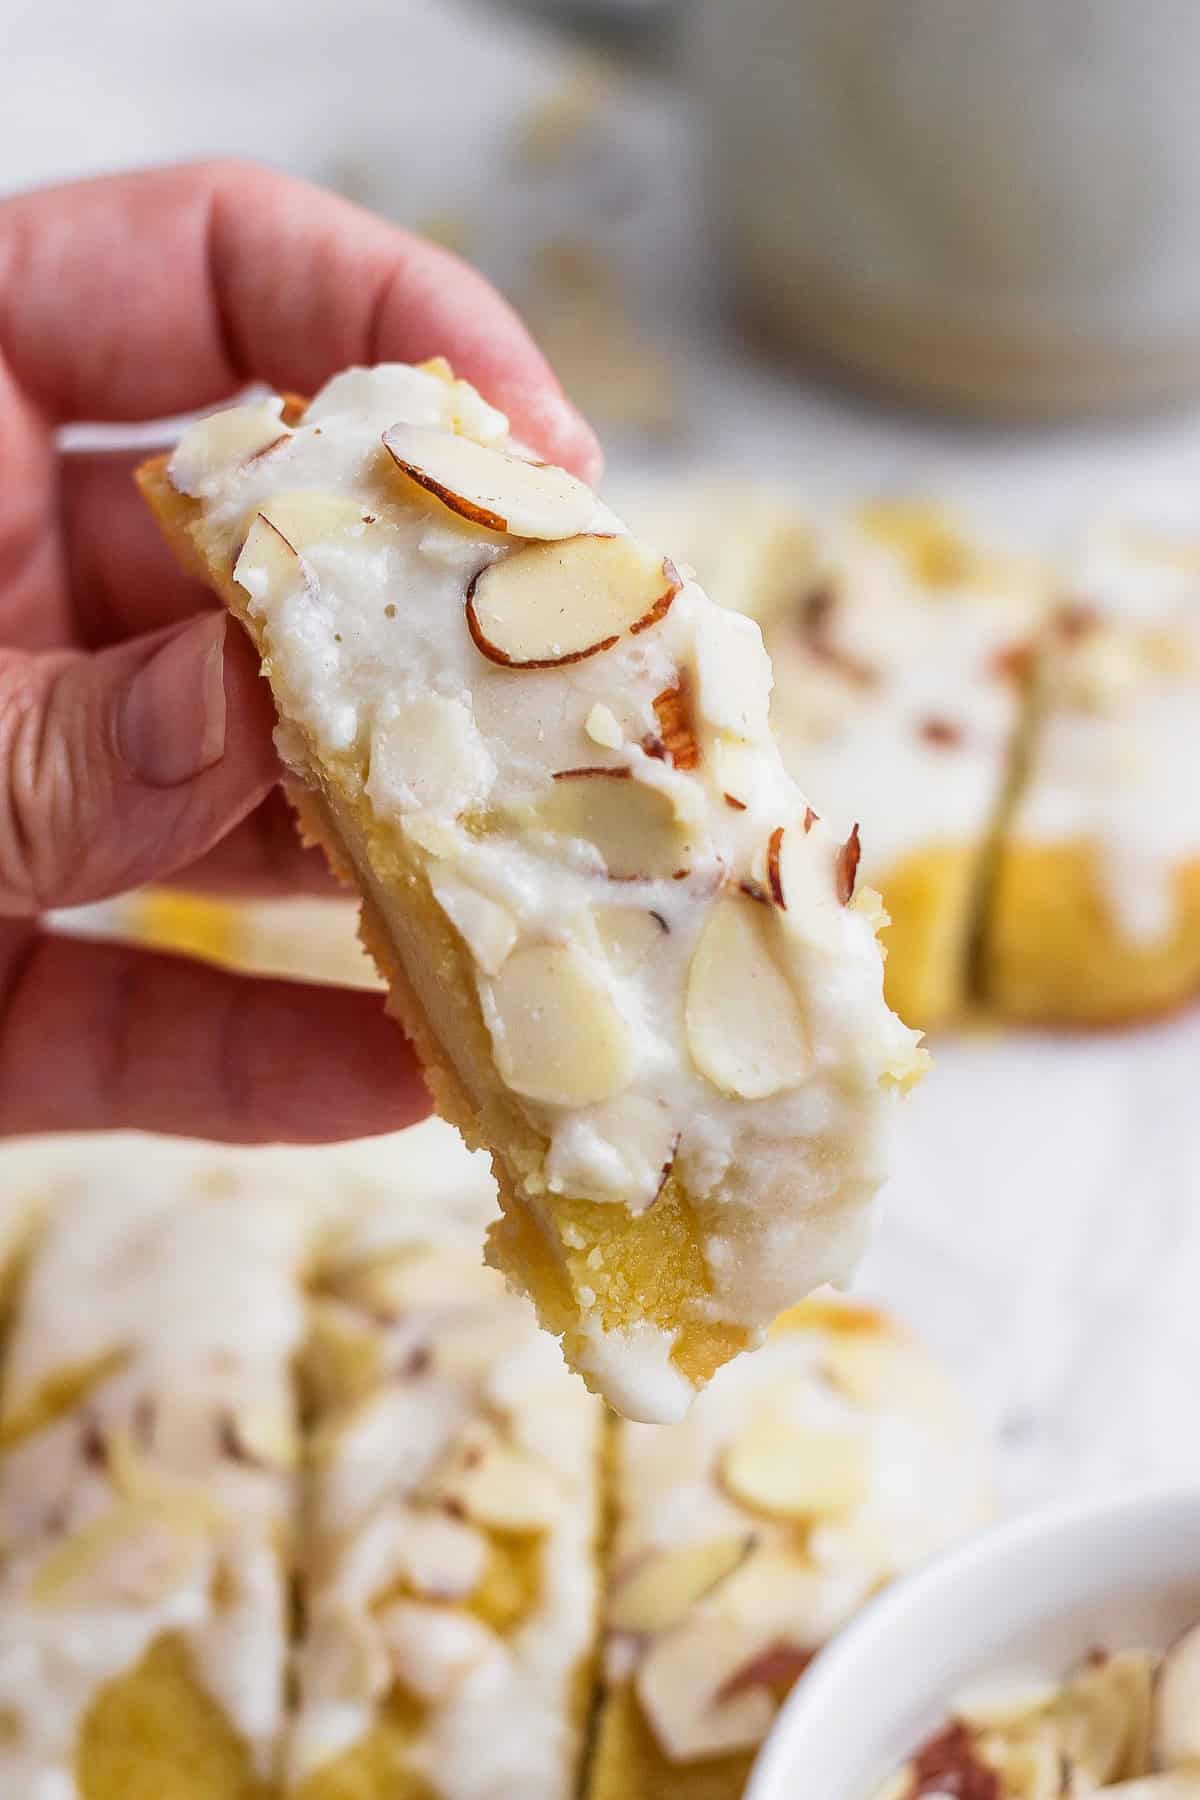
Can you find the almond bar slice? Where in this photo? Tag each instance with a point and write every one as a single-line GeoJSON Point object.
{"type": "Point", "coordinates": [1095, 915]}
{"type": "Point", "coordinates": [424, 731]}
{"type": "Point", "coordinates": [449, 1576]}
{"type": "Point", "coordinates": [802, 1480]}
{"type": "Point", "coordinates": [147, 1477]}
{"type": "Point", "coordinates": [899, 645]}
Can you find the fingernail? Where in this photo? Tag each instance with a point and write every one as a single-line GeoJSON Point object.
{"type": "Point", "coordinates": [171, 723]}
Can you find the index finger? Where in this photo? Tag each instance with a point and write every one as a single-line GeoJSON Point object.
{"type": "Point", "coordinates": [138, 296]}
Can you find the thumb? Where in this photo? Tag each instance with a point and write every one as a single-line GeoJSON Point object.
{"type": "Point", "coordinates": [124, 766]}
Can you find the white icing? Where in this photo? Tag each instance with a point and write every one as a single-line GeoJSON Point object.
{"type": "Point", "coordinates": [1114, 768]}
{"type": "Point", "coordinates": [370, 655]}
{"type": "Point", "coordinates": [498, 1708]}
{"type": "Point", "coordinates": [633, 1368]}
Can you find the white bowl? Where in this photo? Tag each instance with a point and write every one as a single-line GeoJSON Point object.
{"type": "Point", "coordinates": [1026, 1598]}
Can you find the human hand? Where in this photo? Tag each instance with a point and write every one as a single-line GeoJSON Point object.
{"type": "Point", "coordinates": [135, 733]}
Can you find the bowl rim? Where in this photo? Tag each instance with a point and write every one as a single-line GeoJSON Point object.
{"type": "Point", "coordinates": [1113, 1511]}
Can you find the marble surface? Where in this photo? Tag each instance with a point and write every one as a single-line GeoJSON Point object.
{"type": "Point", "coordinates": [1043, 1230]}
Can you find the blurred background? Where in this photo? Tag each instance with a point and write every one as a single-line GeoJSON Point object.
{"type": "Point", "coordinates": [846, 248]}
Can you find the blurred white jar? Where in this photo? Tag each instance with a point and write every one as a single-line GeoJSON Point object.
{"type": "Point", "coordinates": [991, 207]}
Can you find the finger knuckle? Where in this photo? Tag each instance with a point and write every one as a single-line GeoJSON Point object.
{"type": "Point", "coordinates": [48, 777]}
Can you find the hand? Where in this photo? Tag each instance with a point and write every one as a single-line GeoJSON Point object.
{"type": "Point", "coordinates": [135, 733]}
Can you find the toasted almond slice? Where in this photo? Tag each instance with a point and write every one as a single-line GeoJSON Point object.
{"type": "Point", "coordinates": [499, 1487]}
{"type": "Point", "coordinates": [550, 604]}
{"type": "Point", "coordinates": [1098, 1713]}
{"type": "Point", "coordinates": [604, 728]}
{"type": "Point", "coordinates": [745, 1030]}
{"type": "Point", "coordinates": [795, 1472]}
{"type": "Point", "coordinates": [629, 935]}
{"type": "Point", "coordinates": [490, 487]}
{"type": "Point", "coordinates": [678, 1681]}
{"type": "Point", "coordinates": [268, 563]}
{"type": "Point", "coordinates": [633, 826]}
{"type": "Point", "coordinates": [233, 436]}
{"type": "Point", "coordinates": [878, 1370]}
{"type": "Point", "coordinates": [676, 736]}
{"type": "Point", "coordinates": [776, 1669]}
{"type": "Point", "coordinates": [846, 871]}
{"type": "Point", "coordinates": [443, 1558]}
{"type": "Point", "coordinates": [307, 518]}
{"type": "Point", "coordinates": [557, 1034]}
{"type": "Point", "coordinates": [1176, 1728]}
{"type": "Point", "coordinates": [487, 929]}
{"type": "Point", "coordinates": [661, 1586]}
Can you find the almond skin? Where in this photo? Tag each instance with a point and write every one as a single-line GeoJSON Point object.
{"type": "Point", "coordinates": [847, 866]}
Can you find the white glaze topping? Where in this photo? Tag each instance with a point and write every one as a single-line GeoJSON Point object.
{"type": "Point", "coordinates": [1116, 755]}
{"type": "Point", "coordinates": [472, 1420]}
{"type": "Point", "coordinates": [500, 773]}
{"type": "Point", "coordinates": [156, 1499]}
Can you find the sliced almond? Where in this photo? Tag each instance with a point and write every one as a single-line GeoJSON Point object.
{"type": "Point", "coordinates": [628, 936]}
{"type": "Point", "coordinates": [846, 867]}
{"type": "Point", "coordinates": [633, 826]}
{"type": "Point", "coordinates": [550, 604]}
{"type": "Point", "coordinates": [776, 1669]}
{"type": "Point", "coordinates": [1100, 1711]}
{"type": "Point", "coordinates": [499, 1487]}
{"type": "Point", "coordinates": [678, 1681]}
{"type": "Point", "coordinates": [556, 1031]}
{"type": "Point", "coordinates": [1176, 1727]}
{"type": "Point", "coordinates": [793, 1471]}
{"type": "Point", "coordinates": [433, 1648]}
{"type": "Point", "coordinates": [427, 753]}
{"type": "Point", "coordinates": [660, 1588]}
{"type": "Point", "coordinates": [676, 736]}
{"type": "Point", "coordinates": [490, 487]}
{"type": "Point", "coordinates": [268, 563]}
{"type": "Point", "coordinates": [307, 518]}
{"type": "Point", "coordinates": [224, 439]}
{"type": "Point", "coordinates": [745, 1030]}
{"type": "Point", "coordinates": [284, 529]}
{"type": "Point", "coordinates": [487, 929]}
{"type": "Point", "coordinates": [774, 874]}
{"type": "Point", "coordinates": [443, 1558]}
{"type": "Point", "coordinates": [733, 674]}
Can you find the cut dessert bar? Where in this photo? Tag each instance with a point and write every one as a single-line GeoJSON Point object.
{"type": "Point", "coordinates": [627, 951]}
{"type": "Point", "coordinates": [312, 940]}
{"type": "Point", "coordinates": [802, 1480]}
{"type": "Point", "coordinates": [899, 648]}
{"type": "Point", "coordinates": [449, 1576]}
{"type": "Point", "coordinates": [1095, 914]}
{"type": "Point", "coordinates": [147, 1484]}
